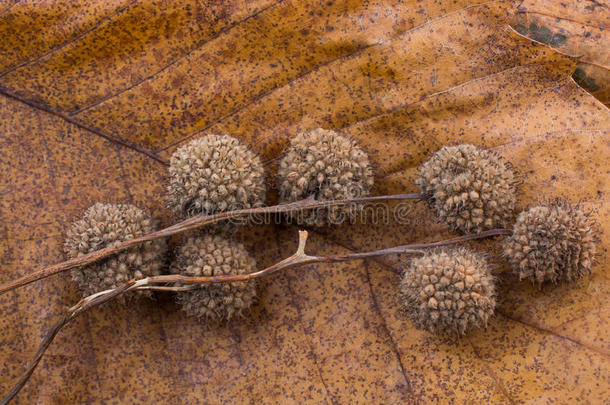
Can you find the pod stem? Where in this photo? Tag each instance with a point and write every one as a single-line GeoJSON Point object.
{"type": "Point", "coordinates": [195, 222]}
{"type": "Point", "coordinates": [184, 283]}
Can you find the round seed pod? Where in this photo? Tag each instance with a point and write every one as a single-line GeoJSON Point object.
{"type": "Point", "coordinates": [326, 166]}
{"type": "Point", "coordinates": [213, 174]}
{"type": "Point", "coordinates": [553, 242]}
{"type": "Point", "coordinates": [470, 189]}
{"type": "Point", "coordinates": [213, 255]}
{"type": "Point", "coordinates": [449, 291]}
{"type": "Point", "coordinates": [102, 226]}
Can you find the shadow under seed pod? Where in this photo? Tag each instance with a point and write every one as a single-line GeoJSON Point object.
{"type": "Point", "coordinates": [554, 242]}
{"type": "Point", "coordinates": [449, 291]}
{"type": "Point", "coordinates": [470, 189]}
{"type": "Point", "coordinates": [213, 174]}
{"type": "Point", "coordinates": [326, 166]}
{"type": "Point", "coordinates": [214, 255]}
{"type": "Point", "coordinates": [103, 225]}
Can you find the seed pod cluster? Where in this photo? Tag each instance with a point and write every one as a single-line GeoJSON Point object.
{"type": "Point", "coordinates": [214, 255]}
{"type": "Point", "coordinates": [449, 291]}
{"type": "Point", "coordinates": [212, 174]}
{"type": "Point", "coordinates": [470, 189]}
{"type": "Point", "coordinates": [102, 226]}
{"type": "Point", "coordinates": [326, 166]}
{"type": "Point", "coordinates": [552, 242]}
{"type": "Point", "coordinates": [445, 291]}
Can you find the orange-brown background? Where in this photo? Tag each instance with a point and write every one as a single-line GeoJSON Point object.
{"type": "Point", "coordinates": [95, 95]}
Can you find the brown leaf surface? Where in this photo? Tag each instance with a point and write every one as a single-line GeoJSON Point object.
{"type": "Point", "coordinates": [94, 97]}
{"type": "Point", "coordinates": [578, 28]}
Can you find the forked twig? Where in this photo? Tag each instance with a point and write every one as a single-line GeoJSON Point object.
{"type": "Point", "coordinates": [182, 283]}
{"type": "Point", "coordinates": [197, 221]}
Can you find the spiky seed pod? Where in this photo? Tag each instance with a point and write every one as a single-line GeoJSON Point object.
{"type": "Point", "coordinates": [213, 255]}
{"type": "Point", "coordinates": [212, 174]}
{"type": "Point", "coordinates": [552, 242]}
{"type": "Point", "coordinates": [470, 189]}
{"type": "Point", "coordinates": [327, 166]}
{"type": "Point", "coordinates": [449, 291]}
{"type": "Point", "coordinates": [102, 226]}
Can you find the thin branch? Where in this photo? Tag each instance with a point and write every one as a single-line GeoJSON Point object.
{"type": "Point", "coordinates": [190, 224]}
{"type": "Point", "coordinates": [301, 258]}
{"type": "Point", "coordinates": [48, 339]}
{"type": "Point", "coordinates": [167, 288]}
{"type": "Point", "coordinates": [151, 283]}
{"type": "Point", "coordinates": [43, 347]}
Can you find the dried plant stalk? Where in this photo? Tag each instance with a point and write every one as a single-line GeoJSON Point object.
{"type": "Point", "coordinates": [190, 224]}
{"type": "Point", "coordinates": [182, 283]}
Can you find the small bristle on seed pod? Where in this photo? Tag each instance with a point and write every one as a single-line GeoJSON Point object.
{"type": "Point", "coordinates": [326, 166]}
{"type": "Point", "coordinates": [104, 225]}
{"type": "Point", "coordinates": [470, 189]}
{"type": "Point", "coordinates": [212, 174]}
{"type": "Point", "coordinates": [554, 242]}
{"type": "Point", "coordinates": [214, 255]}
{"type": "Point", "coordinates": [449, 291]}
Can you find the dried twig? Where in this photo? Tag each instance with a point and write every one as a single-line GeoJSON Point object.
{"type": "Point", "coordinates": [48, 339]}
{"type": "Point", "coordinates": [182, 283]}
{"type": "Point", "coordinates": [190, 224]}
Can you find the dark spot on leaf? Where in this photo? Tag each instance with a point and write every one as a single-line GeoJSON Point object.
{"type": "Point", "coordinates": [584, 81]}
{"type": "Point", "coordinates": [579, 75]}
{"type": "Point", "coordinates": [521, 29]}
{"type": "Point", "coordinates": [543, 35]}
{"type": "Point", "coordinates": [558, 40]}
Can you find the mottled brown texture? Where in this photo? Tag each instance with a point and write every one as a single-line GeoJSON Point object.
{"type": "Point", "coordinates": [402, 79]}
{"type": "Point", "coordinates": [554, 242]}
{"type": "Point", "coordinates": [449, 291]}
{"type": "Point", "coordinates": [103, 225]}
{"type": "Point", "coordinates": [323, 165]}
{"type": "Point", "coordinates": [214, 255]}
{"type": "Point", "coordinates": [213, 174]}
{"type": "Point", "coordinates": [470, 189]}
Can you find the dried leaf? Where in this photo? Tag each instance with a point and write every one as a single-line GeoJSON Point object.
{"type": "Point", "coordinates": [96, 95]}
{"type": "Point", "coordinates": [578, 28]}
